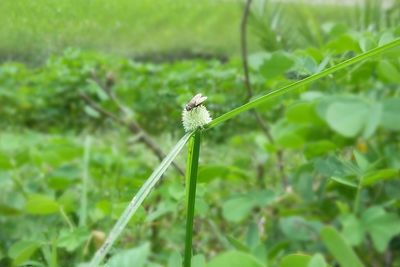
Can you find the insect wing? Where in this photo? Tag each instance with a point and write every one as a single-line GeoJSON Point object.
{"type": "Point", "coordinates": [200, 100]}
{"type": "Point", "coordinates": [194, 99]}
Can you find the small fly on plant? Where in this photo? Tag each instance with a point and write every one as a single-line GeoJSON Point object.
{"type": "Point", "coordinates": [196, 101]}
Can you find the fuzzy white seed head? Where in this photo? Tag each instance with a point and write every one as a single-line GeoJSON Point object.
{"type": "Point", "coordinates": [195, 118]}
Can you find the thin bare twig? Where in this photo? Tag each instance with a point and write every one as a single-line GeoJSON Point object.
{"type": "Point", "coordinates": [132, 125]}
{"type": "Point", "coordinates": [264, 126]}
{"type": "Point", "coordinates": [243, 45]}
{"type": "Point", "coordinates": [107, 88]}
{"type": "Point", "coordinates": [388, 258]}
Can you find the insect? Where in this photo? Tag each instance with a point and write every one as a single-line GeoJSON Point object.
{"type": "Point", "coordinates": [196, 101]}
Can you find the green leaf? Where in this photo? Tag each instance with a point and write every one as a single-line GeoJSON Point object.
{"type": "Point", "coordinates": [290, 140]}
{"type": "Point", "coordinates": [373, 120]}
{"type": "Point", "coordinates": [302, 112]}
{"type": "Point", "coordinates": [235, 259]}
{"type": "Point", "coordinates": [382, 226]}
{"type": "Point", "coordinates": [317, 261]}
{"type": "Point", "coordinates": [375, 221]}
{"type": "Point", "coordinates": [276, 65]}
{"type": "Point", "coordinates": [386, 37]}
{"type": "Point", "coordinates": [5, 162]}
{"type": "Point", "coordinates": [353, 229]}
{"type": "Point", "coordinates": [388, 72]}
{"type": "Point", "coordinates": [175, 259]}
{"type": "Point", "coordinates": [345, 181]}
{"type": "Point", "coordinates": [176, 191]}
{"type": "Point", "coordinates": [288, 135]}
{"type": "Point", "coordinates": [94, 87]}
{"type": "Point", "coordinates": [63, 177]}
{"type": "Point", "coordinates": [91, 112]}
{"type": "Point", "coordinates": [6, 210]}
{"type": "Point", "coordinates": [347, 118]}
{"type": "Point", "coordinates": [297, 228]}
{"type": "Point", "coordinates": [162, 209]}
{"type": "Point", "coordinates": [306, 65]}
{"type": "Point", "coordinates": [72, 240]}
{"type": "Point", "coordinates": [333, 167]}
{"type": "Point", "coordinates": [374, 177]}
{"type": "Point", "coordinates": [41, 205]}
{"type": "Point", "coordinates": [208, 173]}
{"type": "Point", "coordinates": [338, 247]}
{"type": "Point", "coordinates": [318, 148]}
{"type": "Point", "coordinates": [362, 162]}
{"type": "Point", "coordinates": [22, 251]}
{"type": "Point", "coordinates": [132, 257]}
{"type": "Point", "coordinates": [343, 44]}
{"type": "Point", "coordinates": [295, 260]}
{"type": "Point", "coordinates": [198, 261]}
{"type": "Point", "coordinates": [238, 208]}
{"type": "Point", "coordinates": [367, 43]}
{"type": "Point", "coordinates": [237, 244]}
{"type": "Point", "coordinates": [390, 115]}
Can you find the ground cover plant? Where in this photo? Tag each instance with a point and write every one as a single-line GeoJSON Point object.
{"type": "Point", "coordinates": [319, 186]}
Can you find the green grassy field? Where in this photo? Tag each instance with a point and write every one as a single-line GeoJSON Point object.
{"type": "Point", "coordinates": [38, 28]}
{"type": "Point", "coordinates": [33, 30]}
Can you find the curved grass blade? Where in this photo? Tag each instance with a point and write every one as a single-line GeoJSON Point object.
{"type": "Point", "coordinates": [138, 200]}
{"type": "Point", "coordinates": [292, 86]}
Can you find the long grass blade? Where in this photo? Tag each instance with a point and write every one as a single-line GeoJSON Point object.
{"type": "Point", "coordinates": [254, 103]}
{"type": "Point", "coordinates": [191, 182]}
{"type": "Point", "coordinates": [137, 201]}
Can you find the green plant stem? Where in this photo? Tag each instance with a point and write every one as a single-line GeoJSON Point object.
{"type": "Point", "coordinates": [191, 172]}
{"type": "Point", "coordinates": [85, 179]}
{"type": "Point", "coordinates": [357, 198]}
{"type": "Point", "coordinates": [356, 204]}
{"type": "Point", "coordinates": [262, 99]}
{"type": "Point", "coordinates": [54, 256]}
{"type": "Point", "coordinates": [67, 219]}
{"type": "Point", "coordinates": [18, 184]}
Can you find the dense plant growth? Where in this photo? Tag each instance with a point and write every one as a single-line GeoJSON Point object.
{"type": "Point", "coordinates": [71, 159]}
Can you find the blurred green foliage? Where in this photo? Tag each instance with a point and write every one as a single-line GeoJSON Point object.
{"type": "Point", "coordinates": [339, 135]}
{"type": "Point", "coordinates": [158, 30]}
{"type": "Point", "coordinates": [32, 30]}
{"type": "Point", "coordinates": [280, 25]}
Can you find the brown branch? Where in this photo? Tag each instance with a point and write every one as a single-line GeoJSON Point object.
{"type": "Point", "coordinates": [144, 137]}
{"type": "Point", "coordinates": [99, 109]}
{"type": "Point", "coordinates": [373, 257]}
{"type": "Point", "coordinates": [134, 127]}
{"type": "Point", "coordinates": [264, 127]}
{"type": "Point", "coordinates": [243, 44]}
{"type": "Point", "coordinates": [107, 88]}
{"type": "Point", "coordinates": [388, 258]}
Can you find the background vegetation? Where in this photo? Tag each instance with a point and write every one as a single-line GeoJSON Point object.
{"type": "Point", "coordinates": [91, 95]}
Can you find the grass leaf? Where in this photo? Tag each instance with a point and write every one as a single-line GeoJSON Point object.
{"type": "Point", "coordinates": [143, 192]}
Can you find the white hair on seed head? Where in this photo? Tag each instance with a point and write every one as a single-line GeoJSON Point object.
{"type": "Point", "coordinates": [195, 118]}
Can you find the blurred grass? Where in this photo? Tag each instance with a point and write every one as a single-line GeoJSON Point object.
{"type": "Point", "coordinates": [164, 29]}
{"type": "Point", "coordinates": [34, 29]}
